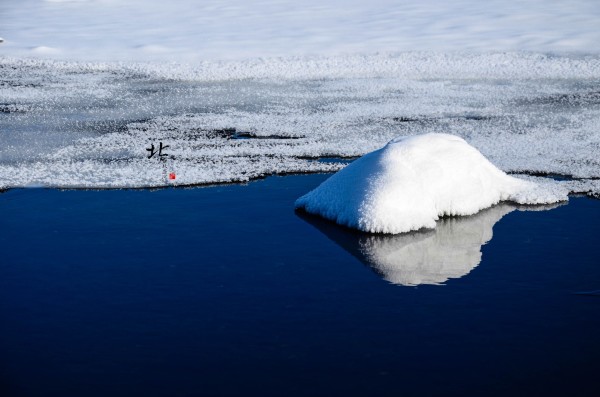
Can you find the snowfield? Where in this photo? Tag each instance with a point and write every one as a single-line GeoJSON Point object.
{"type": "Point", "coordinates": [243, 89]}
{"type": "Point", "coordinates": [192, 31]}
{"type": "Point", "coordinates": [85, 124]}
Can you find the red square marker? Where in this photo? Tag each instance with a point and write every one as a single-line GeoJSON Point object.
{"type": "Point", "coordinates": [172, 175]}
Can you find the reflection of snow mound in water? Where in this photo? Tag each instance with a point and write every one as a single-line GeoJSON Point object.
{"type": "Point", "coordinates": [452, 250]}
{"type": "Point", "coordinates": [411, 182]}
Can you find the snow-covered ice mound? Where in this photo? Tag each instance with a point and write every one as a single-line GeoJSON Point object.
{"type": "Point", "coordinates": [411, 182]}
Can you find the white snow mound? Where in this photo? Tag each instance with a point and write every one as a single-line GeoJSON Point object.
{"type": "Point", "coordinates": [412, 182]}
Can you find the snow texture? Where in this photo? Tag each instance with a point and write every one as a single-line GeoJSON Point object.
{"type": "Point", "coordinates": [191, 31]}
{"type": "Point", "coordinates": [242, 89]}
{"type": "Point", "coordinates": [72, 124]}
{"type": "Point", "coordinates": [412, 182]}
{"type": "Point", "coordinates": [76, 124]}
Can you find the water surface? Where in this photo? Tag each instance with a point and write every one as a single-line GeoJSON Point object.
{"type": "Point", "coordinates": [225, 290]}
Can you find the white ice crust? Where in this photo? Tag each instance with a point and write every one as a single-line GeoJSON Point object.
{"type": "Point", "coordinates": [88, 125]}
{"type": "Point", "coordinates": [412, 182]}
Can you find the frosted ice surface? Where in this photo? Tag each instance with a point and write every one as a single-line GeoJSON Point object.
{"type": "Point", "coordinates": [87, 124]}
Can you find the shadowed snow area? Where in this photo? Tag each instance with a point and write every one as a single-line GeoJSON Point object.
{"type": "Point", "coordinates": [77, 124]}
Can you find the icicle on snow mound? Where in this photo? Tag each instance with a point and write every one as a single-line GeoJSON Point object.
{"type": "Point", "coordinates": [411, 182]}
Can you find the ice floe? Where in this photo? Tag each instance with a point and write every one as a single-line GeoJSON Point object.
{"type": "Point", "coordinates": [412, 182]}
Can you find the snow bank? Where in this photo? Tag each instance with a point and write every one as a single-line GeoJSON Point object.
{"type": "Point", "coordinates": [411, 182]}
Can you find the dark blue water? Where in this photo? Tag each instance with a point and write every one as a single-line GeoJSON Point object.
{"type": "Point", "coordinates": [226, 291]}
